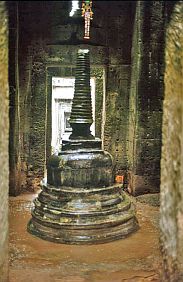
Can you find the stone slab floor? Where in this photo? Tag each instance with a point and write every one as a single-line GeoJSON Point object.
{"type": "Point", "coordinates": [136, 258]}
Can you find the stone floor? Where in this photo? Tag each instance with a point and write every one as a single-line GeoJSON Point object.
{"type": "Point", "coordinates": [136, 258]}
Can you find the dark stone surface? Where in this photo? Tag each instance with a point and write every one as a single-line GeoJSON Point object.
{"type": "Point", "coordinates": [85, 168]}
{"type": "Point", "coordinates": [146, 96]}
{"type": "Point", "coordinates": [80, 203]}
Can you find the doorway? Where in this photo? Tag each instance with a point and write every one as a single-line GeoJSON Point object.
{"type": "Point", "coordinates": [62, 96]}
{"type": "Point", "coordinates": [59, 95]}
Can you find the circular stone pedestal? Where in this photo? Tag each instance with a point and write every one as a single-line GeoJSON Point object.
{"type": "Point", "coordinates": [77, 216]}
{"type": "Point", "coordinates": [81, 205]}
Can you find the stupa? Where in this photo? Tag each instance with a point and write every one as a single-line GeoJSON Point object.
{"type": "Point", "coordinates": [80, 203]}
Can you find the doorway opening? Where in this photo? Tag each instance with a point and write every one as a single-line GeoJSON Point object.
{"type": "Point", "coordinates": [62, 96]}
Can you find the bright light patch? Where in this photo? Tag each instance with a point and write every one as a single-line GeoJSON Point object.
{"type": "Point", "coordinates": [75, 7]}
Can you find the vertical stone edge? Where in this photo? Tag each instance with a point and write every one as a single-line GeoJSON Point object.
{"type": "Point", "coordinates": [145, 102]}
{"type": "Point", "coordinates": [171, 211]}
{"type": "Point", "coordinates": [4, 137]}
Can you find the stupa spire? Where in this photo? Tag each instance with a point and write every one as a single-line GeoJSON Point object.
{"type": "Point", "coordinates": [81, 114]}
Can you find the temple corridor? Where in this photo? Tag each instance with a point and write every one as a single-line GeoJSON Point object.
{"type": "Point", "coordinates": [91, 141]}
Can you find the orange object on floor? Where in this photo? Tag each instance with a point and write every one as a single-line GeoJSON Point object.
{"type": "Point", "coordinates": [119, 178]}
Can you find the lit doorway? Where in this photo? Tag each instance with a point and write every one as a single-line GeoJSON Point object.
{"type": "Point", "coordinates": [62, 95]}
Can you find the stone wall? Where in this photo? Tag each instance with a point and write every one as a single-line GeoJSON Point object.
{"type": "Point", "coordinates": [4, 134]}
{"type": "Point", "coordinates": [49, 38]}
{"type": "Point", "coordinates": [116, 123]}
{"type": "Point", "coordinates": [171, 210]}
{"type": "Point", "coordinates": [146, 96]}
{"type": "Point", "coordinates": [120, 20]}
{"type": "Point", "coordinates": [14, 160]}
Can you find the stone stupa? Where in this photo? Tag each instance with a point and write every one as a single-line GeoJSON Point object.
{"type": "Point", "coordinates": [80, 203]}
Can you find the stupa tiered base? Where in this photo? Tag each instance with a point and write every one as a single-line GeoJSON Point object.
{"type": "Point", "coordinates": [62, 216]}
{"type": "Point", "coordinates": [90, 212]}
